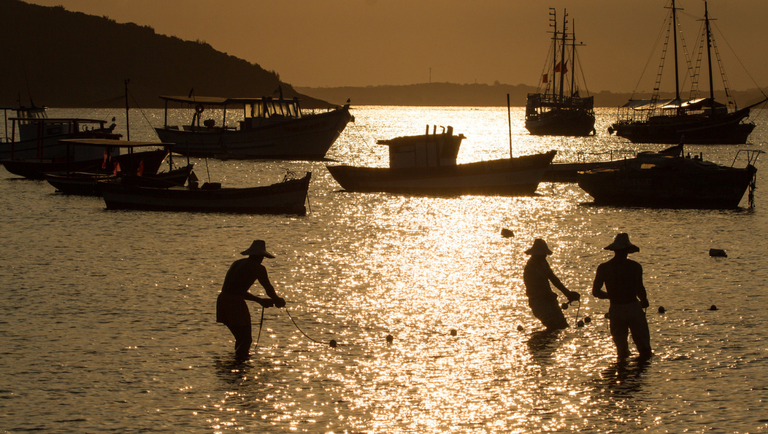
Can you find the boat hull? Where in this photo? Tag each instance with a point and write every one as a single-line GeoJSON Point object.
{"type": "Point", "coordinates": [562, 123]}
{"type": "Point", "coordinates": [509, 177]}
{"type": "Point", "coordinates": [689, 129]}
{"type": "Point", "coordinates": [287, 197]}
{"type": "Point", "coordinates": [306, 138]}
{"type": "Point", "coordinates": [713, 188]}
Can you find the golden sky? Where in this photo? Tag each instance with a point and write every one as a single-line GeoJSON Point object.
{"type": "Point", "coordinates": [328, 43]}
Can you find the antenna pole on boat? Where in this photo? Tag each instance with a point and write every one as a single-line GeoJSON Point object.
{"type": "Point", "coordinates": [674, 39]}
{"type": "Point", "coordinates": [127, 123]}
{"type": "Point", "coordinates": [709, 58]}
{"type": "Point", "coordinates": [509, 118]}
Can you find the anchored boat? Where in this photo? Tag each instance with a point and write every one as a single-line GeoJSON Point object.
{"type": "Point", "coordinates": [695, 120]}
{"type": "Point", "coordinates": [271, 128]}
{"type": "Point", "coordinates": [426, 164]}
{"type": "Point", "coordinates": [557, 108]}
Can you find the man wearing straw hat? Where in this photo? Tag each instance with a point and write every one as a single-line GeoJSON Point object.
{"type": "Point", "coordinates": [230, 305]}
{"type": "Point", "coordinates": [623, 280]}
{"type": "Point", "coordinates": [542, 300]}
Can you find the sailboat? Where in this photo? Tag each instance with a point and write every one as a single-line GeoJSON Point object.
{"type": "Point", "coordinates": [552, 111]}
{"type": "Point", "coordinates": [695, 120]}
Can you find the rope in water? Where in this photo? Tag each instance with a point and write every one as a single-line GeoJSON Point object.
{"type": "Point", "coordinates": [299, 328]}
{"type": "Point", "coordinates": [261, 323]}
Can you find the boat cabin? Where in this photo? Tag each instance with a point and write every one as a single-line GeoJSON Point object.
{"type": "Point", "coordinates": [256, 111]}
{"type": "Point", "coordinates": [427, 150]}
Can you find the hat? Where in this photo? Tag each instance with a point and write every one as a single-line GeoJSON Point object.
{"type": "Point", "coordinates": [539, 248]}
{"type": "Point", "coordinates": [259, 247]}
{"type": "Point", "coordinates": [621, 242]}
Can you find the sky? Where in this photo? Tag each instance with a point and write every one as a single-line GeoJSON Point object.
{"type": "Point", "coordinates": [331, 43]}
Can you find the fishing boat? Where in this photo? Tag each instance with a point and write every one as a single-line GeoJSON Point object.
{"type": "Point", "coordinates": [286, 197]}
{"type": "Point", "coordinates": [670, 180]}
{"type": "Point", "coordinates": [89, 184]}
{"type": "Point", "coordinates": [697, 119]}
{"type": "Point", "coordinates": [557, 108]}
{"type": "Point", "coordinates": [109, 158]}
{"type": "Point", "coordinates": [35, 136]}
{"type": "Point", "coordinates": [271, 128]}
{"type": "Point", "coordinates": [426, 165]}
{"type": "Point", "coordinates": [142, 164]}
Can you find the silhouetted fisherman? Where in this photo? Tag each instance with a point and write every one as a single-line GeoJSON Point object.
{"type": "Point", "coordinates": [623, 280]}
{"type": "Point", "coordinates": [231, 308]}
{"type": "Point", "coordinates": [542, 300]}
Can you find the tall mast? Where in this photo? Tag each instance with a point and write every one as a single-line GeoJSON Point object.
{"type": "Point", "coordinates": [553, 19]}
{"type": "Point", "coordinates": [573, 57]}
{"type": "Point", "coordinates": [562, 57]}
{"type": "Point", "coordinates": [677, 76]}
{"type": "Point", "coordinates": [709, 57]}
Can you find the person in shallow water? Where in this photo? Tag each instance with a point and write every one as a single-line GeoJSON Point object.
{"type": "Point", "coordinates": [543, 301]}
{"type": "Point", "coordinates": [230, 306]}
{"type": "Point", "coordinates": [623, 280]}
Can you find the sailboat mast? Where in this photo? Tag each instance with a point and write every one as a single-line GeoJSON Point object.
{"type": "Point", "coordinates": [573, 57]}
{"type": "Point", "coordinates": [674, 38]}
{"type": "Point", "coordinates": [553, 14]}
{"type": "Point", "coordinates": [562, 57]}
{"type": "Point", "coordinates": [709, 56]}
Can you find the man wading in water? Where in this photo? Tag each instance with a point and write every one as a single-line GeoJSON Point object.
{"type": "Point", "coordinates": [543, 301]}
{"type": "Point", "coordinates": [623, 280]}
{"type": "Point", "coordinates": [230, 306]}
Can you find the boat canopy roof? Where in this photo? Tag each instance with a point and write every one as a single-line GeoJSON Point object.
{"type": "Point", "coordinates": [213, 100]}
{"type": "Point", "coordinates": [665, 104]}
{"type": "Point", "coordinates": [112, 143]}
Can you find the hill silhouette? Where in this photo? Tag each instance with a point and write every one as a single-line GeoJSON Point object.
{"type": "Point", "coordinates": [70, 59]}
{"type": "Point", "coordinates": [59, 58]}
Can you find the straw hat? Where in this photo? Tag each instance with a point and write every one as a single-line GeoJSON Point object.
{"type": "Point", "coordinates": [621, 242]}
{"type": "Point", "coordinates": [259, 247]}
{"type": "Point", "coordinates": [539, 248]}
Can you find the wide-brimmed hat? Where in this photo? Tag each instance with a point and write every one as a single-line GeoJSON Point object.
{"type": "Point", "coordinates": [259, 247]}
{"type": "Point", "coordinates": [539, 248]}
{"type": "Point", "coordinates": [621, 242]}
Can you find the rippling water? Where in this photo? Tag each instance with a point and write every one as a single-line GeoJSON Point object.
{"type": "Point", "coordinates": [107, 318]}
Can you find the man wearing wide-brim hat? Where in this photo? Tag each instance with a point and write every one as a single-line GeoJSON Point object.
{"type": "Point", "coordinates": [537, 275]}
{"type": "Point", "coordinates": [231, 308]}
{"type": "Point", "coordinates": [623, 280]}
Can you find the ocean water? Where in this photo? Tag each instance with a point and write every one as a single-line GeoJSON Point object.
{"type": "Point", "coordinates": [107, 318]}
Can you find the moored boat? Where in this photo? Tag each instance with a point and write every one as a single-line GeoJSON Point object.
{"type": "Point", "coordinates": [553, 110]}
{"type": "Point", "coordinates": [88, 184]}
{"type": "Point", "coordinates": [426, 165]}
{"type": "Point", "coordinates": [286, 197]}
{"type": "Point", "coordinates": [37, 137]}
{"type": "Point", "coordinates": [271, 128]}
{"type": "Point", "coordinates": [666, 180]}
{"type": "Point", "coordinates": [109, 159]}
{"type": "Point", "coordinates": [697, 119]}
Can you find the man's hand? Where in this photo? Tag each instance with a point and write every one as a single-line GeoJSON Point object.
{"type": "Point", "coordinates": [278, 302]}
{"type": "Point", "coordinates": [573, 296]}
{"type": "Point", "coordinates": [644, 303]}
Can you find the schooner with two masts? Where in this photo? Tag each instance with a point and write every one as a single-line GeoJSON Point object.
{"type": "Point", "coordinates": [696, 120]}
